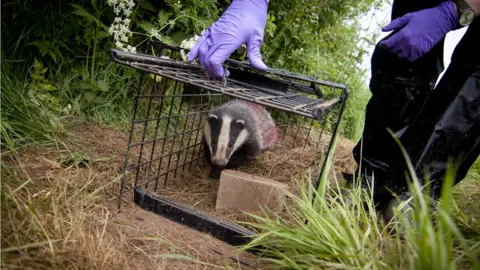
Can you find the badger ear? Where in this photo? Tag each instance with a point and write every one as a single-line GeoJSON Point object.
{"type": "Point", "coordinates": [212, 117]}
{"type": "Point", "coordinates": [240, 123]}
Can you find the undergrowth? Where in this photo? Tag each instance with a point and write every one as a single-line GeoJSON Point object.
{"type": "Point", "coordinates": [56, 66]}
{"type": "Point", "coordinates": [37, 110]}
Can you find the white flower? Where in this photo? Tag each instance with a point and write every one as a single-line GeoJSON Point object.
{"type": "Point", "coordinates": [120, 28]}
{"type": "Point", "coordinates": [155, 33]}
{"type": "Point", "coordinates": [178, 5]}
{"type": "Point", "coordinates": [188, 43]}
{"type": "Point", "coordinates": [184, 56]}
{"type": "Point", "coordinates": [131, 49]}
{"type": "Point", "coordinates": [67, 109]}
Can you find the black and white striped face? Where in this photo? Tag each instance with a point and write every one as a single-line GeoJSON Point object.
{"type": "Point", "coordinates": [224, 135]}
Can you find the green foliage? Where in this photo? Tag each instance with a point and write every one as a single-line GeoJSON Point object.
{"type": "Point", "coordinates": [55, 65]}
{"type": "Point", "coordinates": [31, 111]}
{"type": "Point", "coordinates": [302, 38]}
{"type": "Point", "coordinates": [354, 115]}
{"type": "Point", "coordinates": [173, 20]}
{"type": "Point", "coordinates": [322, 38]}
{"type": "Point", "coordinates": [56, 62]}
{"type": "Point", "coordinates": [66, 43]}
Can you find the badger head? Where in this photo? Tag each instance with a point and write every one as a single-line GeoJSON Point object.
{"type": "Point", "coordinates": [224, 134]}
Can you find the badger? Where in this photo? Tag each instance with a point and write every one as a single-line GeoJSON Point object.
{"type": "Point", "coordinates": [235, 133]}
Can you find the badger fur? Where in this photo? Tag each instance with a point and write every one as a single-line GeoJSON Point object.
{"type": "Point", "coordinates": [235, 133]}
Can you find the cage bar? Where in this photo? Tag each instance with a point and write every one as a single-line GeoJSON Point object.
{"type": "Point", "coordinates": [172, 98]}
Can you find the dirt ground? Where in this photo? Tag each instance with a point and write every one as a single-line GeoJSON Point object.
{"type": "Point", "coordinates": [59, 209]}
{"type": "Point", "coordinates": [87, 178]}
{"type": "Point", "coordinates": [286, 162]}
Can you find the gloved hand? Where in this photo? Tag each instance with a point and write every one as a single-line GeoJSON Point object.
{"type": "Point", "coordinates": [419, 31]}
{"type": "Point", "coordinates": [242, 23]}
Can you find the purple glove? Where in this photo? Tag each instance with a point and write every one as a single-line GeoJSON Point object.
{"type": "Point", "coordinates": [420, 31]}
{"type": "Point", "coordinates": [242, 23]}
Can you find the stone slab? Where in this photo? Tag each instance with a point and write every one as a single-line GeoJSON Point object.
{"type": "Point", "coordinates": [240, 191]}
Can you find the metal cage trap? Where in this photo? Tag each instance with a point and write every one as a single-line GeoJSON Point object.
{"type": "Point", "coordinates": [172, 99]}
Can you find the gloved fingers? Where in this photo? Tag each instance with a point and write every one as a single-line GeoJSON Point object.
{"type": "Point", "coordinates": [409, 53]}
{"type": "Point", "coordinates": [216, 55]}
{"type": "Point", "coordinates": [391, 41]}
{"type": "Point", "coordinates": [396, 49]}
{"type": "Point", "coordinates": [254, 54]}
{"type": "Point", "coordinates": [414, 55]}
{"type": "Point", "coordinates": [194, 51]}
{"type": "Point", "coordinates": [397, 23]}
{"type": "Point", "coordinates": [404, 53]}
{"type": "Point", "coordinates": [203, 53]}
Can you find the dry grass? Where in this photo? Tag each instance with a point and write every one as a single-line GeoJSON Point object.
{"type": "Point", "coordinates": [58, 212]}
{"type": "Point", "coordinates": [56, 217]}
{"type": "Point", "coordinates": [288, 162]}
{"type": "Point", "coordinates": [58, 209]}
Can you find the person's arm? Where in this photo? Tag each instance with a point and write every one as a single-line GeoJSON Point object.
{"type": "Point", "coordinates": [417, 32]}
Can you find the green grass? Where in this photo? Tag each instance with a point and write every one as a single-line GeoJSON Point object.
{"type": "Point", "coordinates": [345, 232]}
{"type": "Point", "coordinates": [37, 107]}
{"type": "Point", "coordinates": [27, 113]}
{"type": "Point", "coordinates": [339, 233]}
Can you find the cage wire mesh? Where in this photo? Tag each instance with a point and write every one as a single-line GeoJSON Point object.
{"type": "Point", "coordinates": [173, 98]}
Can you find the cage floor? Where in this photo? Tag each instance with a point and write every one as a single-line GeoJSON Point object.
{"type": "Point", "coordinates": [283, 163]}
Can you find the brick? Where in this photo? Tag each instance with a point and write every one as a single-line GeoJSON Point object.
{"type": "Point", "coordinates": [239, 191]}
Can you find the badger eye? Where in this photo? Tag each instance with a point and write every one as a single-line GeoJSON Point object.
{"type": "Point", "coordinates": [240, 123]}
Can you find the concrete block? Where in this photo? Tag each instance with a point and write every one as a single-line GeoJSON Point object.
{"type": "Point", "coordinates": [239, 191]}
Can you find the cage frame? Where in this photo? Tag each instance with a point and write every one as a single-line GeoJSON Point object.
{"type": "Point", "coordinates": [187, 215]}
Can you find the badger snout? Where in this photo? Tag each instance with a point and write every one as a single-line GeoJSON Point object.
{"type": "Point", "coordinates": [220, 161]}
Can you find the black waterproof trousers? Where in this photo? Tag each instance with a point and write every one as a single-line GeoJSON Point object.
{"type": "Point", "coordinates": [432, 123]}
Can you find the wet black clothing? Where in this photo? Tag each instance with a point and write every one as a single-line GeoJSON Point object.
{"type": "Point", "coordinates": [432, 123]}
